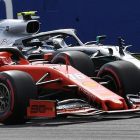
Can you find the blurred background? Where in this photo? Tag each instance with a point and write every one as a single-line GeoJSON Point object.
{"type": "Point", "coordinates": [90, 18]}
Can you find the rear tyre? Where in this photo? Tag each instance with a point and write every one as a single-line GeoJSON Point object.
{"type": "Point", "coordinates": [16, 89]}
{"type": "Point", "coordinates": [123, 77]}
{"type": "Point", "coordinates": [78, 60]}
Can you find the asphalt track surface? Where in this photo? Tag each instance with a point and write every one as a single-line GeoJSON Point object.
{"type": "Point", "coordinates": [113, 128]}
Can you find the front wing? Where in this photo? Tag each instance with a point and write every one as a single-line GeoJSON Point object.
{"type": "Point", "coordinates": [48, 109]}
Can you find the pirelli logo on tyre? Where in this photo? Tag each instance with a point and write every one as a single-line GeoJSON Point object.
{"type": "Point", "coordinates": [90, 84]}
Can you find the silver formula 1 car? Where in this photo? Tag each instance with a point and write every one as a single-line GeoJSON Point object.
{"type": "Point", "coordinates": [12, 29]}
{"type": "Point", "coordinates": [23, 34]}
{"type": "Point", "coordinates": [59, 41]}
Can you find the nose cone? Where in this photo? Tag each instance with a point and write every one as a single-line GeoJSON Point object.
{"type": "Point", "coordinates": [115, 104]}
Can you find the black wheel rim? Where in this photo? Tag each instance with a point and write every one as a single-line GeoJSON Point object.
{"type": "Point", "coordinates": [4, 98]}
{"type": "Point", "coordinates": [112, 85]}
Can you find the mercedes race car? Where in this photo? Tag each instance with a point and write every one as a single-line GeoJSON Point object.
{"type": "Point", "coordinates": [23, 34]}
{"type": "Point", "coordinates": [12, 29]}
{"type": "Point", "coordinates": [59, 41]}
{"type": "Point", "coordinates": [44, 89]}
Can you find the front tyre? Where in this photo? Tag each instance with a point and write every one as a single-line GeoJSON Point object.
{"type": "Point", "coordinates": [78, 60]}
{"type": "Point", "coordinates": [16, 89]}
{"type": "Point", "coordinates": [123, 77]}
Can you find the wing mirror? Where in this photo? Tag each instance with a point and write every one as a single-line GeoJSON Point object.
{"type": "Point", "coordinates": [100, 38]}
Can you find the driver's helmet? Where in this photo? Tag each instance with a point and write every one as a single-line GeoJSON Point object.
{"type": "Point", "coordinates": [59, 42]}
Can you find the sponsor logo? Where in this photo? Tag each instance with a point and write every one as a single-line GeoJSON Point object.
{"type": "Point", "coordinates": [87, 93]}
{"type": "Point", "coordinates": [2, 78]}
{"type": "Point", "coordinates": [3, 41]}
{"type": "Point", "coordinates": [76, 76]}
{"type": "Point", "coordinates": [40, 109]}
{"type": "Point", "coordinates": [90, 84]}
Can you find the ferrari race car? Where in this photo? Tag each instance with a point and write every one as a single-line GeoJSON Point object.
{"type": "Point", "coordinates": [44, 89]}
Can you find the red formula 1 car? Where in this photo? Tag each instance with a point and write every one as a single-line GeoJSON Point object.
{"type": "Point", "coordinates": [41, 89]}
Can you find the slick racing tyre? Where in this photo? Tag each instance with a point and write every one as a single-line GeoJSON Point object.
{"type": "Point", "coordinates": [123, 78]}
{"type": "Point", "coordinates": [16, 89]}
{"type": "Point", "coordinates": [78, 60]}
